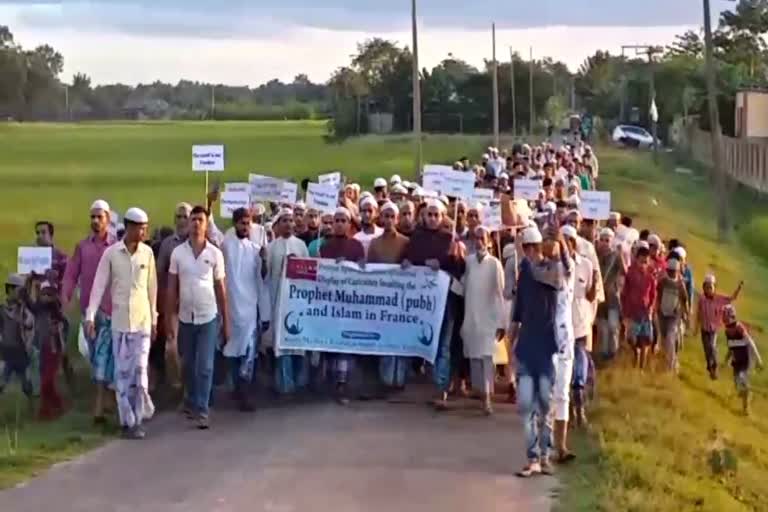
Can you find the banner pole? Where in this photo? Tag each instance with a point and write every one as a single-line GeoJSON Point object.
{"type": "Point", "coordinates": [206, 187]}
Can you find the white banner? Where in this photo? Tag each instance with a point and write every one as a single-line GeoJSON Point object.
{"type": "Point", "coordinates": [208, 158]}
{"type": "Point", "coordinates": [265, 188]}
{"type": "Point", "coordinates": [231, 201]}
{"type": "Point", "coordinates": [527, 189]}
{"type": "Point", "coordinates": [332, 178]}
{"type": "Point", "coordinates": [432, 177]}
{"type": "Point", "coordinates": [323, 198]}
{"type": "Point", "coordinates": [458, 184]}
{"type": "Point", "coordinates": [34, 259]}
{"type": "Point", "coordinates": [483, 195]}
{"type": "Point", "coordinates": [492, 216]}
{"type": "Point", "coordinates": [289, 193]}
{"type": "Point", "coordinates": [383, 310]}
{"type": "Point", "coordinates": [237, 187]}
{"type": "Point", "coordinates": [595, 205]}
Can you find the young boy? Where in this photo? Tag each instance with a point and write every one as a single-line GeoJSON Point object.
{"type": "Point", "coordinates": [672, 307]}
{"type": "Point", "coordinates": [637, 300]}
{"type": "Point", "coordinates": [709, 319]}
{"type": "Point", "coordinates": [17, 329]}
{"type": "Point", "coordinates": [49, 342]}
{"type": "Point", "coordinates": [742, 354]}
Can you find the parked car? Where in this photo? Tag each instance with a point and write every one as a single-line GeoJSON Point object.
{"type": "Point", "coordinates": [633, 136]}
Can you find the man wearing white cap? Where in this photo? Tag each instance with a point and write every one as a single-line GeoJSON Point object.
{"type": "Point", "coordinates": [369, 230]}
{"type": "Point", "coordinates": [81, 271]}
{"type": "Point", "coordinates": [380, 189]}
{"type": "Point", "coordinates": [249, 303]}
{"type": "Point", "coordinates": [197, 294]}
{"type": "Point", "coordinates": [398, 193]}
{"type": "Point", "coordinates": [128, 270]}
{"type": "Point", "coordinates": [612, 270]}
{"type": "Point", "coordinates": [292, 369]}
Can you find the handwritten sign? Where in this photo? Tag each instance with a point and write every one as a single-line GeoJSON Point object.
{"type": "Point", "coordinates": [332, 179]}
{"type": "Point", "coordinates": [492, 216]}
{"type": "Point", "coordinates": [34, 259]}
{"type": "Point", "coordinates": [237, 187]}
{"type": "Point", "coordinates": [322, 198]}
{"type": "Point", "coordinates": [208, 158]}
{"type": "Point", "coordinates": [483, 195]}
{"type": "Point", "coordinates": [595, 205]}
{"type": "Point", "coordinates": [231, 201]}
{"type": "Point", "coordinates": [265, 188]}
{"type": "Point", "coordinates": [458, 184]}
{"type": "Point", "coordinates": [432, 177]}
{"type": "Point", "coordinates": [527, 189]}
{"type": "Point", "coordinates": [288, 195]}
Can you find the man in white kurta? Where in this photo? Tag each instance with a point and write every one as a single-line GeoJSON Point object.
{"type": "Point", "coordinates": [292, 369]}
{"type": "Point", "coordinates": [368, 228]}
{"type": "Point", "coordinates": [485, 317]}
{"type": "Point", "coordinates": [249, 303]}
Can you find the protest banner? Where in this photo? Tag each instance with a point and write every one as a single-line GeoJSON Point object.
{"type": "Point", "coordinates": [265, 188]}
{"type": "Point", "coordinates": [237, 187]}
{"type": "Point", "coordinates": [526, 189]}
{"type": "Point", "coordinates": [595, 205]}
{"type": "Point", "coordinates": [332, 179]}
{"type": "Point", "coordinates": [483, 195]}
{"type": "Point", "coordinates": [289, 193]}
{"type": "Point", "coordinates": [34, 259]}
{"type": "Point", "coordinates": [231, 201]}
{"type": "Point", "coordinates": [492, 216]}
{"type": "Point", "coordinates": [458, 184]}
{"type": "Point", "coordinates": [432, 177]}
{"type": "Point", "coordinates": [380, 310]}
{"type": "Point", "coordinates": [208, 158]}
{"type": "Point", "coordinates": [323, 198]}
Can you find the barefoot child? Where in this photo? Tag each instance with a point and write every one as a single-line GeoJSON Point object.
{"type": "Point", "coordinates": [637, 301]}
{"type": "Point", "coordinates": [16, 330]}
{"type": "Point", "coordinates": [742, 354]}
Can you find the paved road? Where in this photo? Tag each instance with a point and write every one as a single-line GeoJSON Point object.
{"type": "Point", "coordinates": [370, 457]}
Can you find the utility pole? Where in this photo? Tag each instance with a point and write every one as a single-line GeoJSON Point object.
{"type": "Point", "coordinates": [66, 102]}
{"type": "Point", "coordinates": [512, 87]}
{"type": "Point", "coordinates": [213, 101]}
{"type": "Point", "coordinates": [721, 181]}
{"type": "Point", "coordinates": [530, 95]}
{"type": "Point", "coordinates": [623, 93]}
{"type": "Point", "coordinates": [416, 93]}
{"type": "Point", "coordinates": [495, 89]}
{"type": "Point", "coordinates": [653, 112]}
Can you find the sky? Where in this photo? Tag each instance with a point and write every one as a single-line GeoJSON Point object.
{"type": "Point", "coordinates": [242, 42]}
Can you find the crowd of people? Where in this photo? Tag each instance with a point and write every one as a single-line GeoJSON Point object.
{"type": "Point", "coordinates": [533, 307]}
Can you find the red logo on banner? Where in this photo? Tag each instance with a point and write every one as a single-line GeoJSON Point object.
{"type": "Point", "coordinates": [299, 268]}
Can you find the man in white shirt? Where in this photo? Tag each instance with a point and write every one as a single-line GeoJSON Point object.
{"type": "Point", "coordinates": [196, 290]}
{"type": "Point", "coordinates": [369, 231]}
{"type": "Point", "coordinates": [248, 299]}
{"type": "Point", "coordinates": [128, 269]}
{"type": "Point", "coordinates": [585, 290]}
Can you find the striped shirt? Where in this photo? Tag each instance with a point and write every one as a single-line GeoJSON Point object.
{"type": "Point", "coordinates": [711, 312]}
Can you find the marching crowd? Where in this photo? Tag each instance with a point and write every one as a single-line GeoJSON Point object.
{"type": "Point", "coordinates": [537, 303]}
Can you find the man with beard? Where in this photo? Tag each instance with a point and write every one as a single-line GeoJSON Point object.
{"type": "Point", "coordinates": [609, 312]}
{"type": "Point", "coordinates": [326, 230]}
{"type": "Point", "coordinates": [81, 270]}
{"type": "Point", "coordinates": [312, 221]}
{"type": "Point", "coordinates": [433, 247]}
{"type": "Point", "coordinates": [368, 228]}
{"type": "Point", "coordinates": [406, 222]}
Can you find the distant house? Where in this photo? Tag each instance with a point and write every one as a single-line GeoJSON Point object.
{"type": "Point", "coordinates": [752, 113]}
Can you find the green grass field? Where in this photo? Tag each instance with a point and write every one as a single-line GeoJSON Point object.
{"type": "Point", "coordinates": [652, 437]}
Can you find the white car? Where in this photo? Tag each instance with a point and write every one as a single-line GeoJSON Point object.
{"type": "Point", "coordinates": [633, 136]}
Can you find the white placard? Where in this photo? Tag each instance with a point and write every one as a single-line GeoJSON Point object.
{"type": "Point", "coordinates": [290, 190]}
{"type": "Point", "coordinates": [483, 195]}
{"type": "Point", "coordinates": [595, 205]}
{"type": "Point", "coordinates": [322, 198]}
{"type": "Point", "coordinates": [265, 188]}
{"type": "Point", "coordinates": [34, 259]}
{"type": "Point", "coordinates": [458, 184]}
{"type": "Point", "coordinates": [492, 216]}
{"type": "Point", "coordinates": [231, 201]}
{"type": "Point", "coordinates": [332, 179]}
{"type": "Point", "coordinates": [208, 158]}
{"type": "Point", "coordinates": [432, 177]}
{"type": "Point", "coordinates": [237, 187]}
{"type": "Point", "coordinates": [527, 189]}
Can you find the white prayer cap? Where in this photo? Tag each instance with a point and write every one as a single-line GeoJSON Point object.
{"type": "Point", "coordinates": [259, 209]}
{"type": "Point", "coordinates": [508, 251]}
{"type": "Point", "coordinates": [364, 195]}
{"type": "Point", "coordinates": [532, 236]}
{"type": "Point", "coordinates": [390, 206]}
{"type": "Point", "coordinates": [136, 215]}
{"type": "Point", "coordinates": [395, 180]}
{"type": "Point", "coordinates": [120, 227]}
{"type": "Point", "coordinates": [15, 279]}
{"type": "Point", "coordinates": [491, 149]}
{"type": "Point", "coordinates": [486, 156]}
{"type": "Point", "coordinates": [184, 206]}
{"type": "Point", "coordinates": [436, 203]}
{"type": "Point", "coordinates": [550, 207]}
{"type": "Point", "coordinates": [653, 239]}
{"type": "Point", "coordinates": [642, 244]}
{"type": "Point", "coordinates": [710, 279]}
{"type": "Point", "coordinates": [574, 212]}
{"type": "Point", "coordinates": [503, 176]}
{"type": "Point", "coordinates": [379, 183]}
{"type": "Point", "coordinates": [569, 231]}
{"type": "Point", "coordinates": [680, 251]}
{"type": "Point", "coordinates": [673, 264]}
{"type": "Point", "coordinates": [398, 189]}
{"type": "Point", "coordinates": [418, 192]}
{"type": "Point", "coordinates": [614, 216]}
{"type": "Point", "coordinates": [444, 199]}
{"type": "Point", "coordinates": [300, 205]}
{"type": "Point", "coordinates": [356, 186]}
{"type": "Point", "coordinates": [284, 212]}
{"type": "Point", "coordinates": [100, 204]}
{"type": "Point", "coordinates": [368, 200]}
{"type": "Point", "coordinates": [607, 232]}
{"type": "Point", "coordinates": [343, 211]}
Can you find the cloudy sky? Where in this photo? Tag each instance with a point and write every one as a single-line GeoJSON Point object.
{"type": "Point", "coordinates": [250, 41]}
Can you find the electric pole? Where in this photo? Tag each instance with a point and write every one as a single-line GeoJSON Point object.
{"type": "Point", "coordinates": [512, 87]}
{"type": "Point", "coordinates": [416, 93]}
{"type": "Point", "coordinates": [495, 89]}
{"type": "Point", "coordinates": [721, 181]}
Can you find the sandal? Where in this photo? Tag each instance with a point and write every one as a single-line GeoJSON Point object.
{"type": "Point", "coordinates": [529, 470]}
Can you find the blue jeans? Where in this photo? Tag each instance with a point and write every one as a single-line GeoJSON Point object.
{"type": "Point", "coordinates": [198, 344]}
{"type": "Point", "coordinates": [580, 364]}
{"type": "Point", "coordinates": [291, 373]}
{"type": "Point", "coordinates": [442, 369]}
{"type": "Point", "coordinates": [534, 394]}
